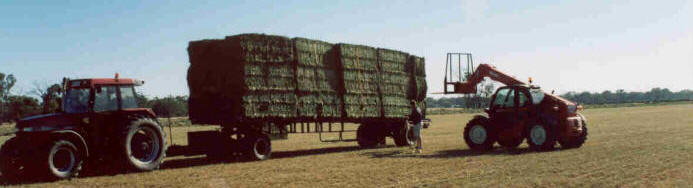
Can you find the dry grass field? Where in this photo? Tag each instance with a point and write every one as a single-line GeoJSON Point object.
{"type": "Point", "coordinates": [626, 147]}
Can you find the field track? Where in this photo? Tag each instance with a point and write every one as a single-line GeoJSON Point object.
{"type": "Point", "coordinates": [631, 147]}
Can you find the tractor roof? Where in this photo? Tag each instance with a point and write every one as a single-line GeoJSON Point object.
{"type": "Point", "coordinates": [91, 82]}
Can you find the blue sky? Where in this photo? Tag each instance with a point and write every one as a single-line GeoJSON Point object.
{"type": "Point", "coordinates": [564, 45]}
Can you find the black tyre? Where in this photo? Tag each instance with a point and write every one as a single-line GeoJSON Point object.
{"type": "Point", "coordinates": [143, 146]}
{"type": "Point", "coordinates": [479, 135]}
{"type": "Point", "coordinates": [369, 136]}
{"type": "Point", "coordinates": [12, 164]}
{"type": "Point", "coordinates": [257, 147]}
{"type": "Point", "coordinates": [404, 135]}
{"type": "Point", "coordinates": [511, 143]}
{"type": "Point", "coordinates": [576, 142]}
{"type": "Point", "coordinates": [59, 159]}
{"type": "Point", "coordinates": [541, 137]}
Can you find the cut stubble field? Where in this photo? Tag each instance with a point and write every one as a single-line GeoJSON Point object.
{"type": "Point", "coordinates": [632, 146]}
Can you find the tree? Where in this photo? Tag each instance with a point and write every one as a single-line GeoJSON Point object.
{"type": "Point", "coordinates": [6, 84]}
{"type": "Point", "coordinates": [21, 106]}
{"type": "Point", "coordinates": [170, 106]}
{"type": "Point", "coordinates": [51, 96]}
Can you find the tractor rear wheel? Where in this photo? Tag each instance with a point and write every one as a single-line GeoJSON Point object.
{"type": "Point", "coordinates": [479, 135]}
{"type": "Point", "coordinates": [143, 145]}
{"type": "Point", "coordinates": [12, 164]}
{"type": "Point", "coordinates": [404, 135]}
{"type": "Point", "coordinates": [541, 137]}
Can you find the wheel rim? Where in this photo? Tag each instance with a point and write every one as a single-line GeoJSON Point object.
{"type": "Point", "coordinates": [63, 160]}
{"type": "Point", "coordinates": [144, 145]}
{"type": "Point", "coordinates": [410, 136]}
{"type": "Point", "coordinates": [478, 134]}
{"type": "Point", "coordinates": [538, 135]}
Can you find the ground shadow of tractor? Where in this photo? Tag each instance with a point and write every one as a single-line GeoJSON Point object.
{"type": "Point", "coordinates": [201, 160]}
{"type": "Point", "coordinates": [457, 153]}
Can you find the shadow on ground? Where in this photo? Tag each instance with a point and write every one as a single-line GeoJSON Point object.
{"type": "Point", "coordinates": [446, 153]}
{"type": "Point", "coordinates": [201, 160]}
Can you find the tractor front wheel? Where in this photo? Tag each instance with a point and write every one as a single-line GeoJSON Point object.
{"type": "Point", "coordinates": [60, 159]}
{"type": "Point", "coordinates": [479, 135]}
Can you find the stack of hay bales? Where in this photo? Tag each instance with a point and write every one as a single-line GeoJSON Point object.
{"type": "Point", "coordinates": [418, 71]}
{"type": "Point", "coordinates": [360, 77]}
{"type": "Point", "coordinates": [248, 76]}
{"type": "Point", "coordinates": [263, 77]}
{"type": "Point", "coordinates": [395, 82]}
{"type": "Point", "coordinates": [318, 80]}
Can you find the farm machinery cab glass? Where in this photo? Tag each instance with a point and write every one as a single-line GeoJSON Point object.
{"type": "Point", "coordinates": [105, 97]}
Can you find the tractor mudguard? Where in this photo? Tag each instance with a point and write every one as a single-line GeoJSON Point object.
{"type": "Point", "coordinates": [74, 137]}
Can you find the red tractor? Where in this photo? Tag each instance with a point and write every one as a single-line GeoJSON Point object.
{"type": "Point", "coordinates": [99, 122]}
{"type": "Point", "coordinates": [517, 111]}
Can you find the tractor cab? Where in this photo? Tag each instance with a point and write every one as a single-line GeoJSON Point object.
{"type": "Point", "coordinates": [99, 95]}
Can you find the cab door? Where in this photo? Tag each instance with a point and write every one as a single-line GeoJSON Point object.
{"type": "Point", "coordinates": [524, 108]}
{"type": "Point", "coordinates": [104, 108]}
{"type": "Point", "coordinates": [503, 112]}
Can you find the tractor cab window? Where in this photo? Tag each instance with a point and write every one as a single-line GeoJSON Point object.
{"type": "Point", "coordinates": [537, 95]}
{"type": "Point", "coordinates": [522, 98]}
{"type": "Point", "coordinates": [504, 98]}
{"type": "Point", "coordinates": [127, 97]}
{"type": "Point", "coordinates": [105, 99]}
{"type": "Point", "coordinates": [76, 100]}
{"type": "Point", "coordinates": [510, 100]}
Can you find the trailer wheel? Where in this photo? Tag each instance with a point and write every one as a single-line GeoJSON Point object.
{"type": "Point", "coordinates": [479, 135]}
{"type": "Point", "coordinates": [143, 147]}
{"type": "Point", "coordinates": [369, 136]}
{"type": "Point", "coordinates": [258, 147]}
{"type": "Point", "coordinates": [541, 137]}
{"type": "Point", "coordinates": [59, 160]}
{"type": "Point", "coordinates": [404, 136]}
{"type": "Point", "coordinates": [12, 164]}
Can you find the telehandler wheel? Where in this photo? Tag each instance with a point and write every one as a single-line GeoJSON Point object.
{"type": "Point", "coordinates": [541, 137]}
{"type": "Point", "coordinates": [258, 147]}
{"type": "Point", "coordinates": [60, 159]}
{"type": "Point", "coordinates": [479, 135]}
{"type": "Point", "coordinates": [369, 136]}
{"type": "Point", "coordinates": [12, 164]}
{"type": "Point", "coordinates": [511, 143]}
{"type": "Point", "coordinates": [143, 145]}
{"type": "Point", "coordinates": [404, 136]}
{"type": "Point", "coordinates": [577, 142]}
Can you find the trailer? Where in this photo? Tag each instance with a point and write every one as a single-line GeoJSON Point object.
{"type": "Point", "coordinates": [260, 87]}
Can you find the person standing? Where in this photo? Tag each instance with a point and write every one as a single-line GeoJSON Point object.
{"type": "Point", "coordinates": [415, 118]}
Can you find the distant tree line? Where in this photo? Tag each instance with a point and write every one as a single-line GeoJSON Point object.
{"type": "Point", "coordinates": [620, 96]}
{"type": "Point", "coordinates": [46, 98]}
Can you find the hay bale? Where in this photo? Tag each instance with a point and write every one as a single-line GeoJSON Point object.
{"type": "Point", "coordinates": [242, 76]}
{"type": "Point", "coordinates": [360, 75]}
{"type": "Point", "coordinates": [318, 83]}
